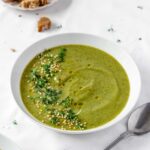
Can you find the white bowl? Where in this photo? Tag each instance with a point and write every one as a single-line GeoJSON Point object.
{"type": "Point", "coordinates": [16, 5]}
{"type": "Point", "coordinates": [85, 39]}
{"type": "Point", "coordinates": [7, 144]}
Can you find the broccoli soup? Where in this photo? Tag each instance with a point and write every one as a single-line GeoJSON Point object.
{"type": "Point", "coordinates": [74, 87]}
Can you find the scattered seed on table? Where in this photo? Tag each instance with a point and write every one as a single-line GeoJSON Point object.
{"type": "Point", "coordinates": [13, 50]}
{"type": "Point", "coordinates": [110, 29]}
{"type": "Point", "coordinates": [139, 38]}
{"type": "Point", "coordinates": [15, 122]}
{"type": "Point", "coordinates": [59, 26]}
{"type": "Point", "coordinates": [118, 41]}
{"type": "Point", "coordinates": [20, 16]}
{"type": "Point", "coordinates": [140, 7]}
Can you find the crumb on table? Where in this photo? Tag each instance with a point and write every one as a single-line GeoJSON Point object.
{"type": "Point", "coordinates": [44, 24]}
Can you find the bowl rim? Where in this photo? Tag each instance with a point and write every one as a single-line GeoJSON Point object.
{"type": "Point", "coordinates": [101, 127]}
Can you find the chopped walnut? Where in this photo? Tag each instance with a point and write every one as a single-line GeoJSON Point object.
{"type": "Point", "coordinates": [29, 3]}
{"type": "Point", "coordinates": [33, 3]}
{"type": "Point", "coordinates": [43, 2]}
{"type": "Point", "coordinates": [11, 1]}
{"type": "Point", "coordinates": [44, 24]}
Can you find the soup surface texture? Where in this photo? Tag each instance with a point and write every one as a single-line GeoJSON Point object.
{"type": "Point", "coordinates": [74, 87]}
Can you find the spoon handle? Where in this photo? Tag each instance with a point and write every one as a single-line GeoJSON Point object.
{"type": "Point", "coordinates": [121, 137]}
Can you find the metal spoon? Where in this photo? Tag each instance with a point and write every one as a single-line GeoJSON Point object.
{"type": "Point", "coordinates": [138, 124]}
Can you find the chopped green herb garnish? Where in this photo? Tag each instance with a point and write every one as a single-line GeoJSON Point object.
{"type": "Point", "coordinates": [70, 115]}
{"type": "Point", "coordinates": [46, 68]}
{"type": "Point", "coordinates": [40, 82]}
{"type": "Point", "coordinates": [54, 120]}
{"type": "Point", "coordinates": [48, 100]}
{"type": "Point", "coordinates": [66, 102]}
{"type": "Point", "coordinates": [50, 96]}
{"type": "Point", "coordinates": [62, 54]}
{"type": "Point", "coordinates": [37, 79]}
{"type": "Point", "coordinates": [34, 74]}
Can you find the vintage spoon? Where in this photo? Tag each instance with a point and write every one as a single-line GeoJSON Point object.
{"type": "Point", "coordinates": [138, 124]}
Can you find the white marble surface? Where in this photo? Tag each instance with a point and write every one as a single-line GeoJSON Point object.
{"type": "Point", "coordinates": [89, 16]}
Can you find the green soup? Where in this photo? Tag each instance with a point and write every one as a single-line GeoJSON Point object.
{"type": "Point", "coordinates": [74, 87]}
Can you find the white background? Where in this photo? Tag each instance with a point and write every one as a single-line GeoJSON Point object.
{"type": "Point", "coordinates": [89, 16]}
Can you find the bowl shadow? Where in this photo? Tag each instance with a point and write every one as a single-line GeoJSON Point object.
{"type": "Point", "coordinates": [58, 7]}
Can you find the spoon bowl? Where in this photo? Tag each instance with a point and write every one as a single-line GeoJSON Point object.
{"type": "Point", "coordinates": [139, 121]}
{"type": "Point", "coordinates": [138, 124]}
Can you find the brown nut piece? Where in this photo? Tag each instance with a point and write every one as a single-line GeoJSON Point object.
{"type": "Point", "coordinates": [44, 24]}
{"type": "Point", "coordinates": [11, 1]}
{"type": "Point", "coordinates": [33, 3]}
{"type": "Point", "coordinates": [29, 3]}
